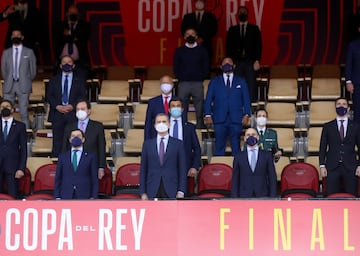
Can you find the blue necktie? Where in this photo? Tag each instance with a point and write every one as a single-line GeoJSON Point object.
{"type": "Point", "coordinates": [65, 98]}
{"type": "Point", "coordinates": [5, 130]}
{"type": "Point", "coordinates": [74, 159]}
{"type": "Point", "coordinates": [176, 129]}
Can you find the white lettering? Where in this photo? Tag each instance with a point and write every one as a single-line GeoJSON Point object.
{"type": "Point", "coordinates": [35, 225]}
{"type": "Point", "coordinates": [104, 230]}
{"type": "Point", "coordinates": [65, 232]}
{"type": "Point", "coordinates": [174, 11]}
{"type": "Point", "coordinates": [137, 226]}
{"type": "Point", "coordinates": [232, 11]}
{"type": "Point", "coordinates": [15, 213]}
{"type": "Point", "coordinates": [47, 230]}
{"type": "Point", "coordinates": [143, 27]}
{"type": "Point", "coordinates": [119, 228]}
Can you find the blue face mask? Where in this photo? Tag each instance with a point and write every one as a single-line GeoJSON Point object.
{"type": "Point", "coordinates": [67, 68]}
{"type": "Point", "coordinates": [227, 68]}
{"type": "Point", "coordinates": [251, 141]}
{"type": "Point", "coordinates": [76, 142]}
{"type": "Point", "coordinates": [175, 112]}
{"type": "Point", "coordinates": [341, 111]}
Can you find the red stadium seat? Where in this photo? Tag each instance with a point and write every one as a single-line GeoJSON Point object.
{"type": "Point", "coordinates": [105, 184]}
{"type": "Point", "coordinates": [128, 179]}
{"type": "Point", "coordinates": [6, 197]}
{"type": "Point", "coordinates": [24, 184]}
{"type": "Point", "coordinates": [341, 195]}
{"type": "Point", "coordinates": [299, 180]}
{"type": "Point", "coordinates": [40, 196]}
{"type": "Point", "coordinates": [215, 179]}
{"type": "Point", "coordinates": [126, 196]}
{"type": "Point", "coordinates": [44, 181]}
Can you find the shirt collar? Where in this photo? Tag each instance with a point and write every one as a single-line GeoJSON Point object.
{"type": "Point", "coordinates": [9, 120]}
{"type": "Point", "coordinates": [191, 46]}
{"type": "Point", "coordinates": [79, 149]}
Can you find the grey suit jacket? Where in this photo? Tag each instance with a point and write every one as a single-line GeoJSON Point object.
{"type": "Point", "coordinates": [27, 69]}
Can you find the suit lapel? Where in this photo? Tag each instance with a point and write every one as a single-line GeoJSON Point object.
{"type": "Point", "coordinates": [82, 159]}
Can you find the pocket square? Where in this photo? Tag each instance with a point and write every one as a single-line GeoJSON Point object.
{"type": "Point", "coordinates": [238, 86]}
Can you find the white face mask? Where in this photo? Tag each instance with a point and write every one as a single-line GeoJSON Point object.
{"type": "Point", "coordinates": [81, 115]}
{"type": "Point", "coordinates": [161, 127]}
{"type": "Point", "coordinates": [166, 88]}
{"type": "Point", "coordinates": [261, 120]}
{"type": "Point", "coordinates": [199, 5]}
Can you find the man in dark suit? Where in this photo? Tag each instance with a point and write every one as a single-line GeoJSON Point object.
{"type": "Point", "coordinates": [71, 37]}
{"type": "Point", "coordinates": [244, 46]}
{"type": "Point", "coordinates": [64, 90]}
{"type": "Point", "coordinates": [94, 134]}
{"type": "Point", "coordinates": [182, 130]}
{"type": "Point", "coordinates": [253, 170]}
{"type": "Point", "coordinates": [337, 154]}
{"type": "Point", "coordinates": [158, 104]}
{"type": "Point", "coordinates": [76, 172]}
{"type": "Point", "coordinates": [227, 106]}
{"type": "Point", "coordinates": [13, 151]}
{"type": "Point", "coordinates": [352, 75]}
{"type": "Point", "coordinates": [205, 24]}
{"type": "Point", "coordinates": [163, 164]}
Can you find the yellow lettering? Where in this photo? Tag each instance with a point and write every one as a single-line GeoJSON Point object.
{"type": "Point", "coordinates": [279, 224]}
{"type": "Point", "coordinates": [223, 226]}
{"type": "Point", "coordinates": [347, 247]}
{"type": "Point", "coordinates": [162, 49]}
{"type": "Point", "coordinates": [317, 228]}
{"type": "Point", "coordinates": [251, 229]}
{"type": "Point", "coordinates": [219, 50]}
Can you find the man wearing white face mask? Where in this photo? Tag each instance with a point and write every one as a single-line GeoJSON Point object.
{"type": "Point", "coordinates": [158, 104]}
{"type": "Point", "coordinates": [267, 137]}
{"type": "Point", "coordinates": [163, 164]}
{"type": "Point", "coordinates": [94, 133]}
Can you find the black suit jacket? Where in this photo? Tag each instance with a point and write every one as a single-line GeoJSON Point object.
{"type": "Point", "coordinates": [54, 95]}
{"type": "Point", "coordinates": [252, 43]}
{"type": "Point", "coordinates": [331, 146]}
{"type": "Point", "coordinates": [191, 146]}
{"type": "Point", "coordinates": [94, 140]}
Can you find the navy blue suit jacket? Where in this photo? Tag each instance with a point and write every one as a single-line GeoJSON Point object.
{"type": "Point", "coordinates": [54, 95]}
{"type": "Point", "coordinates": [221, 101]}
{"type": "Point", "coordinates": [260, 183]}
{"type": "Point", "coordinates": [173, 172]}
{"type": "Point", "coordinates": [155, 106]}
{"type": "Point", "coordinates": [191, 146]}
{"type": "Point", "coordinates": [84, 179]}
{"type": "Point", "coordinates": [353, 63]}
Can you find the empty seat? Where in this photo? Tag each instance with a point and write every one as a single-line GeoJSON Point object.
{"type": "Point", "coordinates": [43, 142]}
{"type": "Point", "coordinates": [281, 114]}
{"type": "Point", "coordinates": [33, 163]}
{"type": "Point", "coordinates": [114, 91]}
{"type": "Point", "coordinates": [314, 160]}
{"type": "Point", "coordinates": [326, 71]}
{"type": "Point", "coordinates": [107, 114]}
{"type": "Point", "coordinates": [321, 112]}
{"type": "Point", "coordinates": [134, 141]}
{"type": "Point", "coordinates": [38, 92]}
{"type": "Point", "coordinates": [313, 140]}
{"type": "Point", "coordinates": [279, 166]}
{"type": "Point", "coordinates": [126, 160]}
{"type": "Point", "coordinates": [150, 89]}
{"type": "Point", "coordinates": [140, 115]}
{"type": "Point", "coordinates": [286, 139]}
{"type": "Point", "coordinates": [127, 179]}
{"type": "Point", "coordinates": [283, 89]}
{"type": "Point", "coordinates": [120, 72]}
{"type": "Point", "coordinates": [284, 71]}
{"type": "Point", "coordinates": [325, 88]}
{"type": "Point", "coordinates": [222, 160]}
{"type": "Point", "coordinates": [156, 72]}
{"type": "Point", "coordinates": [44, 181]}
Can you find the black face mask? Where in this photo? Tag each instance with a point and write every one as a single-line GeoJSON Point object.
{"type": "Point", "coordinates": [73, 17]}
{"type": "Point", "coordinates": [190, 39]}
{"type": "Point", "coordinates": [243, 17]}
{"type": "Point", "coordinates": [5, 112]}
{"type": "Point", "coordinates": [16, 40]}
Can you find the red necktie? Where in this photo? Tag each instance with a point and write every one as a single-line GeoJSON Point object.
{"type": "Point", "coordinates": [166, 105]}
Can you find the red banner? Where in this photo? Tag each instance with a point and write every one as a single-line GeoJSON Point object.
{"type": "Point", "coordinates": [229, 227]}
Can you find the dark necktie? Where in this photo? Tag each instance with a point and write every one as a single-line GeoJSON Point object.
{"type": "Point", "coordinates": [228, 84]}
{"type": "Point", "coordinates": [242, 30]}
{"type": "Point", "coordinates": [74, 159]}
{"type": "Point", "coordinates": [16, 66]}
{"type": "Point", "coordinates": [176, 129]}
{"type": "Point", "coordinates": [253, 159]}
{"type": "Point", "coordinates": [161, 151]}
{"type": "Point", "coordinates": [166, 105]}
{"type": "Point", "coordinates": [198, 18]}
{"type": "Point", "coordinates": [70, 44]}
{"type": "Point", "coordinates": [65, 98]}
{"type": "Point", "coordinates": [342, 130]}
{"type": "Point", "coordinates": [261, 134]}
{"type": "Point", "coordinates": [5, 130]}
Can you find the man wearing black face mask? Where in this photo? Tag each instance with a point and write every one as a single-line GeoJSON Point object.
{"type": "Point", "coordinates": [244, 46]}
{"type": "Point", "coordinates": [64, 90]}
{"type": "Point", "coordinates": [76, 171]}
{"type": "Point", "coordinates": [18, 68]}
{"type": "Point", "coordinates": [191, 67]}
{"type": "Point", "coordinates": [227, 106]}
{"type": "Point", "coordinates": [71, 37]}
{"type": "Point", "coordinates": [13, 152]}
{"type": "Point", "coordinates": [253, 171]}
{"type": "Point", "coordinates": [338, 159]}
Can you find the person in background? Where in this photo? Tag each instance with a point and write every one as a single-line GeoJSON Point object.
{"type": "Point", "coordinates": [76, 171]}
{"type": "Point", "coordinates": [338, 157]}
{"type": "Point", "coordinates": [13, 153]}
{"type": "Point", "coordinates": [191, 67]}
{"type": "Point", "coordinates": [244, 46]}
{"type": "Point", "coordinates": [205, 24]}
{"type": "Point", "coordinates": [163, 164]}
{"type": "Point", "coordinates": [94, 133]}
{"type": "Point", "coordinates": [227, 106]}
{"type": "Point", "coordinates": [253, 170]}
{"type": "Point", "coordinates": [18, 69]}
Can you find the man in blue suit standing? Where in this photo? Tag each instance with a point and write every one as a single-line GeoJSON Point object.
{"type": "Point", "coordinates": [163, 164]}
{"type": "Point", "coordinates": [227, 105]}
{"type": "Point", "coordinates": [76, 171]}
{"type": "Point", "coordinates": [253, 170]}
{"type": "Point", "coordinates": [158, 104]}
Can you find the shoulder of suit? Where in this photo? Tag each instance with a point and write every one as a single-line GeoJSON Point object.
{"type": "Point", "coordinates": [271, 130]}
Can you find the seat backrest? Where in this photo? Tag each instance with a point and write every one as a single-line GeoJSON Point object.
{"type": "Point", "coordinates": [4, 196]}
{"type": "Point", "coordinates": [281, 114]}
{"type": "Point", "coordinates": [33, 163]}
{"type": "Point", "coordinates": [283, 89]}
{"type": "Point", "coordinates": [215, 178]}
{"type": "Point", "coordinates": [134, 141]}
{"type": "Point", "coordinates": [120, 72]}
{"type": "Point", "coordinates": [156, 72]}
{"type": "Point", "coordinates": [25, 183]}
{"type": "Point", "coordinates": [114, 88]}
{"type": "Point", "coordinates": [299, 176]}
{"type": "Point", "coordinates": [127, 175]}
{"type": "Point", "coordinates": [284, 71]}
{"type": "Point", "coordinates": [222, 160]}
{"type": "Point", "coordinates": [140, 115]}
{"type": "Point", "coordinates": [45, 178]}
{"type": "Point", "coordinates": [40, 196]}
{"type": "Point", "coordinates": [105, 184]}
{"type": "Point", "coordinates": [325, 89]}
{"type": "Point", "coordinates": [321, 112]}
